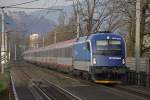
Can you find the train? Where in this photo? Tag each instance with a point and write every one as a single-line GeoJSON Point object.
{"type": "Point", "coordinates": [99, 57]}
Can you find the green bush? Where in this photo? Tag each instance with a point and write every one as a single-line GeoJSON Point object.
{"type": "Point", "coordinates": [4, 86]}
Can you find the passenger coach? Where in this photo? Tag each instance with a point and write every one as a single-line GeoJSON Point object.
{"type": "Point", "coordinates": [99, 56]}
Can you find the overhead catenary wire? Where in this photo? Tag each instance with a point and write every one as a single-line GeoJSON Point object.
{"type": "Point", "coordinates": [36, 8]}
{"type": "Point", "coordinates": [30, 8]}
{"type": "Point", "coordinates": [29, 2]}
{"type": "Point", "coordinates": [41, 16]}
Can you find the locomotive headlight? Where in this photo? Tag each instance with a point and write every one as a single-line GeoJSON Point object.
{"type": "Point", "coordinates": [123, 61]}
{"type": "Point", "coordinates": [94, 60]}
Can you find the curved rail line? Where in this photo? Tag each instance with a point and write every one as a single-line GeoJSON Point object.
{"type": "Point", "coordinates": [120, 88]}
{"type": "Point", "coordinates": [67, 93]}
{"type": "Point", "coordinates": [50, 91]}
{"type": "Point", "coordinates": [36, 87]}
{"type": "Point", "coordinates": [134, 91]}
{"type": "Point", "coordinates": [42, 92]}
{"type": "Point", "coordinates": [13, 88]}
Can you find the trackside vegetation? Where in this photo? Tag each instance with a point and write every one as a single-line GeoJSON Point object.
{"type": "Point", "coordinates": [4, 85]}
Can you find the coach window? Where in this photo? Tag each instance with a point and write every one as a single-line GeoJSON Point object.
{"type": "Point", "coordinates": [50, 52]}
{"type": "Point", "coordinates": [65, 52]}
{"type": "Point", "coordinates": [43, 54]}
{"type": "Point", "coordinates": [60, 52]}
{"type": "Point", "coordinates": [66, 55]}
{"type": "Point", "coordinates": [56, 52]}
{"type": "Point", "coordinates": [53, 53]}
{"type": "Point", "coordinates": [40, 53]}
{"type": "Point", "coordinates": [88, 46]}
{"type": "Point", "coordinates": [37, 54]}
{"type": "Point", "coordinates": [69, 51]}
{"type": "Point", "coordinates": [46, 53]}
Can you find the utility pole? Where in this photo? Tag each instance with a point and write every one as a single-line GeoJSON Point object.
{"type": "Point", "coordinates": [43, 41]}
{"type": "Point", "coordinates": [15, 52]}
{"type": "Point", "coordinates": [91, 6]}
{"type": "Point", "coordinates": [9, 51]}
{"type": "Point", "coordinates": [6, 48]}
{"type": "Point", "coordinates": [3, 43]}
{"type": "Point", "coordinates": [55, 37]}
{"type": "Point", "coordinates": [78, 20]}
{"type": "Point", "coordinates": [137, 38]}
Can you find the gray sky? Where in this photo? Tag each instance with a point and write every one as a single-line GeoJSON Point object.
{"type": "Point", "coordinates": [40, 3]}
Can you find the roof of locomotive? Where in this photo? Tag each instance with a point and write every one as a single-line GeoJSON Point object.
{"type": "Point", "coordinates": [101, 34]}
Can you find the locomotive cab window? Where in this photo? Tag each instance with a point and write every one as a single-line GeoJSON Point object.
{"type": "Point", "coordinates": [108, 47]}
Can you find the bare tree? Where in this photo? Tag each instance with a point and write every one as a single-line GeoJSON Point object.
{"type": "Point", "coordinates": [107, 15]}
{"type": "Point", "coordinates": [112, 15]}
{"type": "Point", "coordinates": [62, 31]}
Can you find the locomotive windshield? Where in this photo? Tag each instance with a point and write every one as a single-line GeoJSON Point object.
{"type": "Point", "coordinates": [108, 47]}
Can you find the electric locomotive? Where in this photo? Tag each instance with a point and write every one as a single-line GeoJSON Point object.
{"type": "Point", "coordinates": [99, 56]}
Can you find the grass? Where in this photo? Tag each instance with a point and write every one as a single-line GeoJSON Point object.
{"type": "Point", "coordinates": [4, 85]}
{"type": "Point", "coordinates": [3, 81]}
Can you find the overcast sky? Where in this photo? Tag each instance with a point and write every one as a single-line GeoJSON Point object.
{"type": "Point", "coordinates": [40, 3]}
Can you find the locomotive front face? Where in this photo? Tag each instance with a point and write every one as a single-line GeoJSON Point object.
{"type": "Point", "coordinates": [108, 51]}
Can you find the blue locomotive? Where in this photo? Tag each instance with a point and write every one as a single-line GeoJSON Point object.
{"type": "Point", "coordinates": [99, 56]}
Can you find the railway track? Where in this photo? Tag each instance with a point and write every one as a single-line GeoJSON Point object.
{"type": "Point", "coordinates": [44, 87]}
{"type": "Point", "coordinates": [49, 91]}
{"type": "Point", "coordinates": [13, 95]}
{"type": "Point", "coordinates": [134, 91]}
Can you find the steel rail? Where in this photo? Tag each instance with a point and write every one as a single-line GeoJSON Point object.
{"type": "Point", "coordinates": [39, 90]}
{"type": "Point", "coordinates": [13, 88]}
{"type": "Point", "coordinates": [42, 92]}
{"type": "Point", "coordinates": [134, 91]}
{"type": "Point", "coordinates": [59, 89]}
{"type": "Point", "coordinates": [65, 92]}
